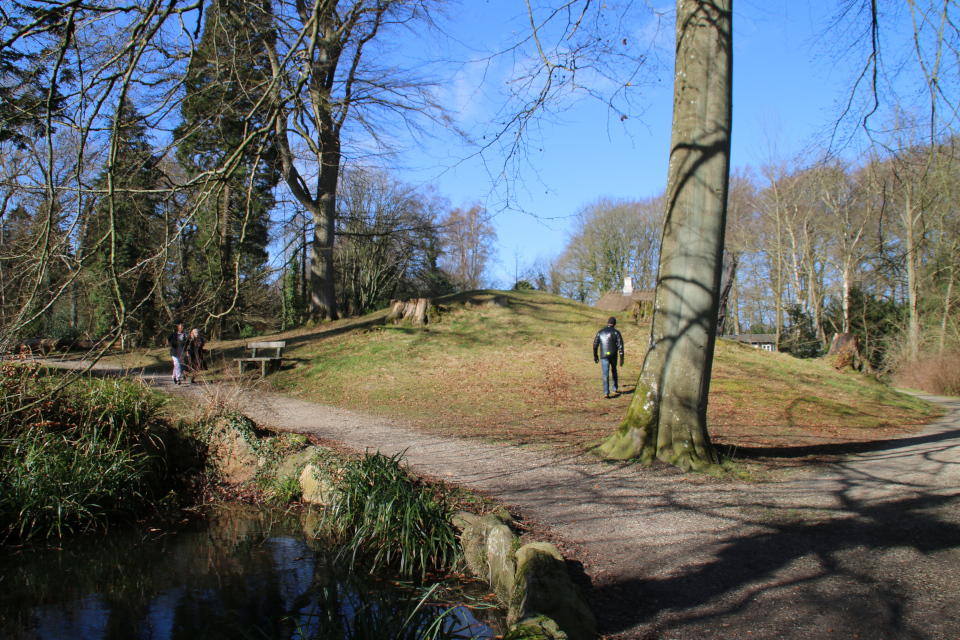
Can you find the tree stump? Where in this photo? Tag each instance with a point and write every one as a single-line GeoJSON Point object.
{"type": "Point", "coordinates": [414, 310]}
{"type": "Point", "coordinates": [845, 351]}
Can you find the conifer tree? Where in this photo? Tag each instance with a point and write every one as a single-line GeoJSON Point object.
{"type": "Point", "coordinates": [222, 144]}
{"type": "Point", "coordinates": [126, 232]}
{"type": "Point", "coordinates": [29, 76]}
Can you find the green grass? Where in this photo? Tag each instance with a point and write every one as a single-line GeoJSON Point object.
{"type": "Point", "coordinates": [73, 456]}
{"type": "Point", "coordinates": [384, 517]}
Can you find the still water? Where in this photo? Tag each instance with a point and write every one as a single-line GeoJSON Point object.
{"type": "Point", "coordinates": [237, 573]}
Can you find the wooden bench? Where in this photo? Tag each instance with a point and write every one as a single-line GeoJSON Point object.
{"type": "Point", "coordinates": [264, 361]}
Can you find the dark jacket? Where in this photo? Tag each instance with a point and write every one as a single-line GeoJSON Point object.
{"type": "Point", "coordinates": [195, 352]}
{"type": "Point", "coordinates": [176, 341]}
{"type": "Point", "coordinates": [610, 342]}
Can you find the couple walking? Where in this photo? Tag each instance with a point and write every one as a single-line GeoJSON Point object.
{"type": "Point", "coordinates": [186, 351]}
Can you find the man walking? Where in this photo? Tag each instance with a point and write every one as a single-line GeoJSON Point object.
{"type": "Point", "coordinates": [611, 343]}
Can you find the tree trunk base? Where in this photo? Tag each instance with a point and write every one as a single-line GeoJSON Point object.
{"type": "Point", "coordinates": [640, 437]}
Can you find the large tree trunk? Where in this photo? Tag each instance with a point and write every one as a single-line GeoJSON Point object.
{"type": "Point", "coordinates": [913, 282]}
{"type": "Point", "coordinates": [323, 300]}
{"type": "Point", "coordinates": [667, 417]}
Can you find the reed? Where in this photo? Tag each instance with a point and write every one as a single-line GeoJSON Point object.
{"type": "Point", "coordinates": [385, 517]}
{"type": "Point", "coordinates": [351, 609]}
{"type": "Point", "coordinates": [71, 456]}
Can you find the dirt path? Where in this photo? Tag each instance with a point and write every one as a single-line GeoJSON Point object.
{"type": "Point", "coordinates": [866, 549]}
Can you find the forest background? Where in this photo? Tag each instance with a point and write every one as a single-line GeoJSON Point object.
{"type": "Point", "coordinates": [251, 166]}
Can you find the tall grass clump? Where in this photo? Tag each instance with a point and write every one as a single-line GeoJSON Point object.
{"type": "Point", "coordinates": [385, 517]}
{"type": "Point", "coordinates": [72, 455]}
{"type": "Point", "coordinates": [937, 374]}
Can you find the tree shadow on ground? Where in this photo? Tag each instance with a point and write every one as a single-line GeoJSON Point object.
{"type": "Point", "coordinates": [792, 573]}
{"type": "Point", "coordinates": [845, 448]}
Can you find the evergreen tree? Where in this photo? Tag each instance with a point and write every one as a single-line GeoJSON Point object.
{"type": "Point", "coordinates": [221, 137]}
{"type": "Point", "coordinates": [28, 89]}
{"type": "Point", "coordinates": [126, 232]}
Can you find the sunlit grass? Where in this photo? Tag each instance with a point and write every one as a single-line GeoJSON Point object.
{"type": "Point", "coordinates": [71, 458]}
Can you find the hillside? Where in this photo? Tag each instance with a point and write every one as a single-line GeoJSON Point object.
{"type": "Point", "coordinates": [525, 374]}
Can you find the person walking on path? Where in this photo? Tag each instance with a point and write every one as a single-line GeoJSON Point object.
{"type": "Point", "coordinates": [610, 343]}
{"type": "Point", "coordinates": [176, 341]}
{"type": "Point", "coordinates": [194, 353]}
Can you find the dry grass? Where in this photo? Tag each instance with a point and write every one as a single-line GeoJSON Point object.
{"type": "Point", "coordinates": [937, 374]}
{"type": "Point", "coordinates": [525, 374]}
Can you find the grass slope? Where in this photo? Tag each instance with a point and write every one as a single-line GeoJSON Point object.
{"type": "Point", "coordinates": [525, 374]}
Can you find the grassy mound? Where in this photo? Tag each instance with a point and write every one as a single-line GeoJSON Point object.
{"type": "Point", "coordinates": [524, 373]}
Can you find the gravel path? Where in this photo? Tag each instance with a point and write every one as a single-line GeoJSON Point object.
{"type": "Point", "coordinates": [866, 549]}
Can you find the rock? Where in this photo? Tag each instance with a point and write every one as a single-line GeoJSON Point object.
{"type": "Point", "coordinates": [543, 587]}
{"type": "Point", "coordinates": [463, 519]}
{"type": "Point", "coordinates": [498, 301]}
{"type": "Point", "coordinates": [535, 628]}
{"type": "Point", "coordinates": [315, 486]}
{"type": "Point", "coordinates": [231, 452]}
{"type": "Point", "coordinates": [501, 568]}
{"type": "Point", "coordinates": [474, 542]}
{"type": "Point", "coordinates": [292, 464]}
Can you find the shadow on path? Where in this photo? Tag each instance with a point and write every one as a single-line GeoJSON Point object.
{"type": "Point", "coordinates": [879, 571]}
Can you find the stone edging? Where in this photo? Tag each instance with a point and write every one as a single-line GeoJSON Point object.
{"type": "Point", "coordinates": [531, 580]}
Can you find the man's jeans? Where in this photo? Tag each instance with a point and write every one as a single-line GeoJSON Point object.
{"type": "Point", "coordinates": [611, 366]}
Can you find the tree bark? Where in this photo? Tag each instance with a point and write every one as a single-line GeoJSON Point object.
{"type": "Point", "coordinates": [667, 417]}
{"type": "Point", "coordinates": [323, 299]}
{"type": "Point", "coordinates": [913, 281]}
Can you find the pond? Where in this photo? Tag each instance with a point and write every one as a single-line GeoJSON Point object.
{"type": "Point", "coordinates": [235, 573]}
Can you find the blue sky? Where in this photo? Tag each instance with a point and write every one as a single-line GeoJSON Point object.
{"type": "Point", "coordinates": [782, 87]}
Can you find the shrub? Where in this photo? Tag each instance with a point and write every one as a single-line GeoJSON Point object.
{"type": "Point", "coordinates": [937, 374]}
{"type": "Point", "coordinates": [386, 517]}
{"type": "Point", "coordinates": [55, 485]}
{"type": "Point", "coordinates": [799, 337]}
{"type": "Point", "coordinates": [72, 454]}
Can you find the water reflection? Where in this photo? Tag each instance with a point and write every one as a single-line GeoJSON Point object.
{"type": "Point", "coordinates": [240, 573]}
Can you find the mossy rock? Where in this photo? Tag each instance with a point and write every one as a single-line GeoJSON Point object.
{"type": "Point", "coordinates": [232, 449]}
{"type": "Point", "coordinates": [536, 628]}
{"type": "Point", "coordinates": [292, 465]}
{"type": "Point", "coordinates": [501, 567]}
{"type": "Point", "coordinates": [473, 539]}
{"type": "Point", "coordinates": [463, 519]}
{"type": "Point", "coordinates": [315, 486]}
{"type": "Point", "coordinates": [544, 588]}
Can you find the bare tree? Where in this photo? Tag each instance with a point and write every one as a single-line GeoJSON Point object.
{"type": "Point", "coordinates": [468, 245]}
{"type": "Point", "coordinates": [334, 76]}
{"type": "Point", "coordinates": [385, 231]}
{"type": "Point", "coordinates": [612, 239]}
